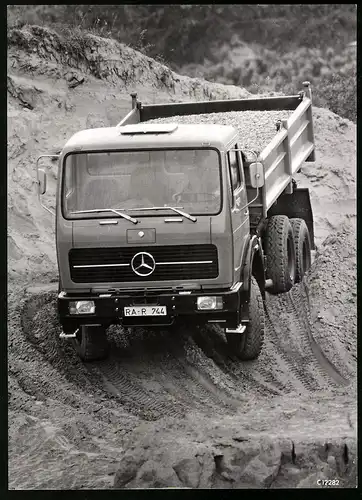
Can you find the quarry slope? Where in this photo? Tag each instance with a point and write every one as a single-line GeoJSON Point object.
{"type": "Point", "coordinates": [170, 408]}
{"type": "Point", "coordinates": [54, 91]}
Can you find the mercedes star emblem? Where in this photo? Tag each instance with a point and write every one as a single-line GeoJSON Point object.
{"type": "Point", "coordinates": [143, 264]}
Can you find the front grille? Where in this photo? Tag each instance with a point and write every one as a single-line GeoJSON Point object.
{"type": "Point", "coordinates": [173, 262]}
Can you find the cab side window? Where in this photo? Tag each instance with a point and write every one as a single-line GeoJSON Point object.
{"type": "Point", "coordinates": [234, 169]}
{"type": "Point", "coordinates": [235, 160]}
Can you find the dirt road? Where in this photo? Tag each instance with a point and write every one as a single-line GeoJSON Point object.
{"type": "Point", "coordinates": [167, 396]}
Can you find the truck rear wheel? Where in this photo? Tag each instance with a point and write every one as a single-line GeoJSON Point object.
{"type": "Point", "coordinates": [302, 247]}
{"type": "Point", "coordinates": [280, 254]}
{"type": "Point", "coordinates": [248, 345]}
{"type": "Point", "coordinates": [91, 343]}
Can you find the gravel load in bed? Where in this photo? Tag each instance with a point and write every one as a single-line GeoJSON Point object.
{"type": "Point", "coordinates": [256, 128]}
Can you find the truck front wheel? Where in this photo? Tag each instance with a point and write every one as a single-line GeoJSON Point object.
{"type": "Point", "coordinates": [248, 345]}
{"type": "Point", "coordinates": [280, 254]}
{"type": "Point", "coordinates": [91, 343]}
{"type": "Point", "coordinates": [302, 248]}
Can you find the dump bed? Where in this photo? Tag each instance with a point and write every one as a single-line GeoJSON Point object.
{"type": "Point", "coordinates": [282, 157]}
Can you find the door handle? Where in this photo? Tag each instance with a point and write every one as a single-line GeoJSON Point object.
{"type": "Point", "coordinates": [246, 212]}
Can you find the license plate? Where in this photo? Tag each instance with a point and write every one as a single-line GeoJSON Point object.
{"type": "Point", "coordinates": [145, 311]}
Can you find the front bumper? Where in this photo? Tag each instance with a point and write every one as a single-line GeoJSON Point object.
{"type": "Point", "coordinates": [109, 308]}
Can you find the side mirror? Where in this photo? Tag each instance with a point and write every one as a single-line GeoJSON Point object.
{"type": "Point", "coordinates": [42, 181]}
{"type": "Point", "coordinates": [256, 171]}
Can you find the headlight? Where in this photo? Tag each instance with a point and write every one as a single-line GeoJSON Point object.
{"type": "Point", "coordinates": [82, 307]}
{"type": "Point", "coordinates": [209, 303]}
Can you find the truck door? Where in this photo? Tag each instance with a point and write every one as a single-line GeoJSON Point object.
{"type": "Point", "coordinates": [239, 211]}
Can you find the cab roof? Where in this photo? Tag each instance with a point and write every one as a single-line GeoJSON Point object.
{"type": "Point", "coordinates": [143, 135]}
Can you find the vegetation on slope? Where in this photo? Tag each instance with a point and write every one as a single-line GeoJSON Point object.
{"type": "Point", "coordinates": [185, 33]}
{"type": "Point", "coordinates": [258, 47]}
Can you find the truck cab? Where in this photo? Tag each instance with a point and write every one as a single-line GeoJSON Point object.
{"type": "Point", "coordinates": [163, 227]}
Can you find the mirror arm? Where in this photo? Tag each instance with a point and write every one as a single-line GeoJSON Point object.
{"type": "Point", "coordinates": [37, 175]}
{"type": "Point", "coordinates": [257, 188]}
{"type": "Point", "coordinates": [254, 153]}
{"type": "Point", "coordinates": [47, 209]}
{"type": "Point", "coordinates": [252, 201]}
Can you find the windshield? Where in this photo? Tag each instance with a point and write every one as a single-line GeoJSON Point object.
{"type": "Point", "coordinates": [186, 179]}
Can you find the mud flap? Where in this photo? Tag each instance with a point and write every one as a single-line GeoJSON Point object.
{"type": "Point", "coordinates": [296, 205]}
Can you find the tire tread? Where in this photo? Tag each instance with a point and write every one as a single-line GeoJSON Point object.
{"type": "Point", "coordinates": [277, 233]}
{"type": "Point", "coordinates": [93, 344]}
{"type": "Point", "coordinates": [300, 232]}
{"type": "Point", "coordinates": [251, 346]}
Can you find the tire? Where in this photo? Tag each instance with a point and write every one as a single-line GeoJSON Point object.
{"type": "Point", "coordinates": [280, 254]}
{"type": "Point", "coordinates": [302, 247]}
{"type": "Point", "coordinates": [248, 345]}
{"type": "Point", "coordinates": [91, 343]}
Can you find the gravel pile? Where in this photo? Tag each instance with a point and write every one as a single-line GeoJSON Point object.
{"type": "Point", "coordinates": [256, 128]}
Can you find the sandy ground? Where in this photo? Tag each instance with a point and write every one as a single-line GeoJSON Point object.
{"type": "Point", "coordinates": [170, 408]}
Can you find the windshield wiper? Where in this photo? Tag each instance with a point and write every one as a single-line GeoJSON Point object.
{"type": "Point", "coordinates": [175, 209]}
{"type": "Point", "coordinates": [121, 214]}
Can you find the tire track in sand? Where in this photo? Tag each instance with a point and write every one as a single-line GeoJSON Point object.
{"type": "Point", "coordinates": [164, 361]}
{"type": "Point", "coordinates": [183, 373]}
{"type": "Point", "coordinates": [289, 326]}
{"type": "Point", "coordinates": [118, 382]}
{"type": "Point", "coordinates": [325, 366]}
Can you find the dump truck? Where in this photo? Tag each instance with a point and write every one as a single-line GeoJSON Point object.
{"type": "Point", "coordinates": [159, 224]}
